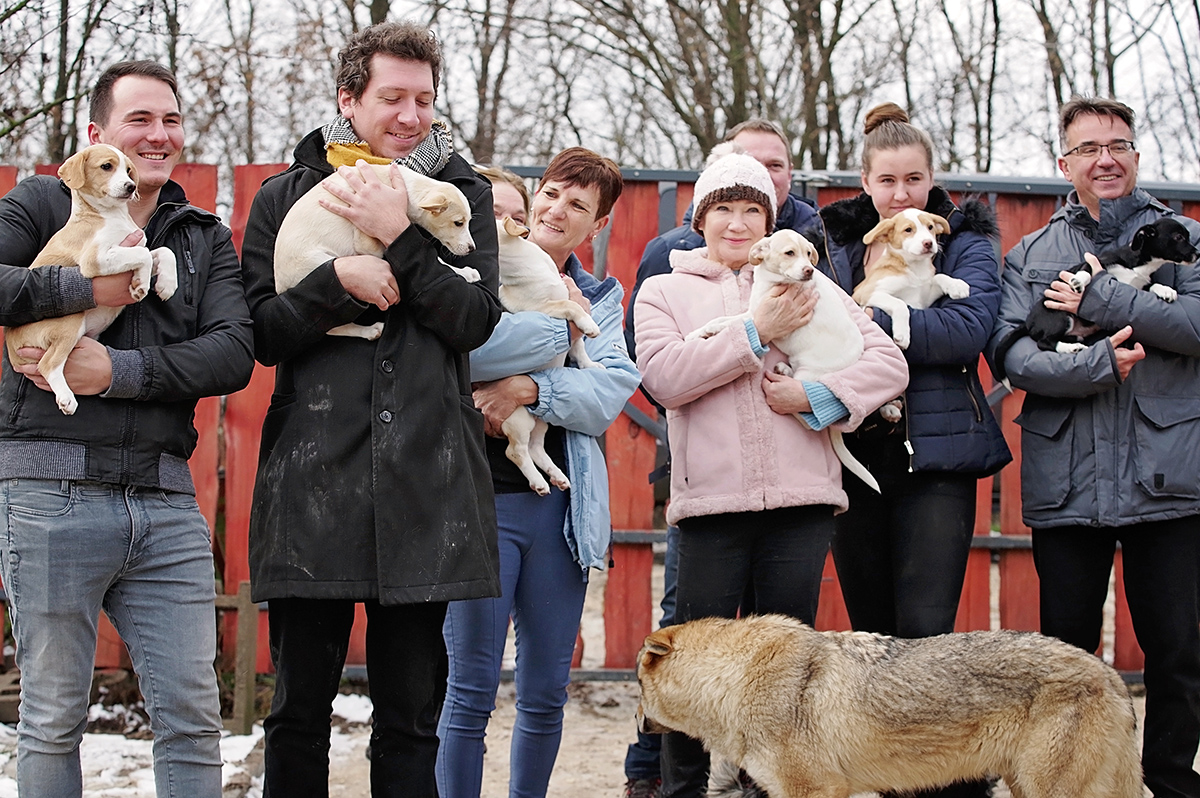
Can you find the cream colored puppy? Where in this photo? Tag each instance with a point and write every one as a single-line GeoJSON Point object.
{"type": "Point", "coordinates": [830, 342]}
{"type": "Point", "coordinates": [904, 276]}
{"type": "Point", "coordinates": [311, 235]}
{"type": "Point", "coordinates": [102, 181]}
{"type": "Point", "coordinates": [529, 280]}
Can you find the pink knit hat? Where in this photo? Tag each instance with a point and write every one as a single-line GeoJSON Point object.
{"type": "Point", "coordinates": [731, 174]}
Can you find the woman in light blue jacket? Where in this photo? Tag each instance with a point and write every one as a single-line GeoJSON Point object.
{"type": "Point", "coordinates": [547, 543]}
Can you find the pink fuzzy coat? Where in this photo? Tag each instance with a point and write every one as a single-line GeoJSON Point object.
{"type": "Point", "coordinates": [729, 451]}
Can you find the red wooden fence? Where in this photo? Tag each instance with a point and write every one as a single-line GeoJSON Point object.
{"type": "Point", "coordinates": [229, 433]}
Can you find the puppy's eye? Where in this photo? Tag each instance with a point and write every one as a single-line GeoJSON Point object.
{"type": "Point", "coordinates": [107, 167]}
{"type": "Point", "coordinates": [458, 223]}
{"type": "Point", "coordinates": [791, 253]}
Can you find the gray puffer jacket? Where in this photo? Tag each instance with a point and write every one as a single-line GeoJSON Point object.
{"type": "Point", "coordinates": [1096, 451]}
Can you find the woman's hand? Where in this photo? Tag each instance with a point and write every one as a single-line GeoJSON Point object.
{"type": "Point", "coordinates": [785, 395]}
{"type": "Point", "coordinates": [786, 307]}
{"type": "Point", "coordinates": [498, 399]}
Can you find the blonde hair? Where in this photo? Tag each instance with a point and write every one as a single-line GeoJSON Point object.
{"type": "Point", "coordinates": [495, 175]}
{"type": "Point", "coordinates": [887, 128]}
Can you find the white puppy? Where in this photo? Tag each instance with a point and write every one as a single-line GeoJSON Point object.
{"type": "Point", "coordinates": [529, 280]}
{"type": "Point", "coordinates": [830, 341]}
{"type": "Point", "coordinates": [102, 181]}
{"type": "Point", "coordinates": [311, 235]}
{"type": "Point", "coordinates": [904, 276]}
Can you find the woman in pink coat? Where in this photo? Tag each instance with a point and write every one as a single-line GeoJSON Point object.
{"type": "Point", "coordinates": [753, 490]}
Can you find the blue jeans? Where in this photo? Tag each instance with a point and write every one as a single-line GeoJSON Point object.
{"type": "Point", "coordinates": [144, 556]}
{"type": "Point", "coordinates": [543, 590]}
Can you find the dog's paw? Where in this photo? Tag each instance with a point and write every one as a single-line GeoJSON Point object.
{"type": "Point", "coordinates": [700, 332]}
{"type": "Point", "coordinates": [67, 403]}
{"type": "Point", "coordinates": [957, 289]}
{"type": "Point", "coordinates": [560, 482]}
{"type": "Point", "coordinates": [901, 335]}
{"type": "Point", "coordinates": [588, 326]}
{"type": "Point", "coordinates": [1080, 280]}
{"type": "Point", "coordinates": [467, 273]}
{"type": "Point", "coordinates": [1069, 349]}
{"type": "Point", "coordinates": [892, 411]}
{"type": "Point", "coordinates": [783, 368]}
{"type": "Point", "coordinates": [540, 487]}
{"type": "Point", "coordinates": [165, 272]}
{"type": "Point", "coordinates": [137, 288]}
{"type": "Point", "coordinates": [1164, 292]}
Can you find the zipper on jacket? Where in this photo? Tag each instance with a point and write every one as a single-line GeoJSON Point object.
{"type": "Point", "coordinates": [18, 400]}
{"type": "Point", "coordinates": [970, 393]}
{"type": "Point", "coordinates": [191, 271]}
{"type": "Point", "coordinates": [908, 447]}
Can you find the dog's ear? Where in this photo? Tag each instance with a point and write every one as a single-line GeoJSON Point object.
{"type": "Point", "coordinates": [435, 202]}
{"type": "Point", "coordinates": [881, 230]}
{"type": "Point", "coordinates": [658, 643]}
{"type": "Point", "coordinates": [1139, 238]}
{"type": "Point", "coordinates": [73, 172]}
{"type": "Point", "coordinates": [515, 228]}
{"type": "Point", "coordinates": [758, 252]}
{"type": "Point", "coordinates": [940, 225]}
{"type": "Point", "coordinates": [812, 254]}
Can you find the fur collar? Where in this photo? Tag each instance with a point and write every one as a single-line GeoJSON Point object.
{"type": "Point", "coordinates": [850, 219]}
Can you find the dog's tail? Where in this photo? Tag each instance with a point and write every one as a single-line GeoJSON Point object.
{"type": "Point", "coordinates": [849, 461]}
{"type": "Point", "coordinates": [727, 781]}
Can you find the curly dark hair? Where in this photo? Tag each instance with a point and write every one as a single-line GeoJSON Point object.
{"type": "Point", "coordinates": [405, 40]}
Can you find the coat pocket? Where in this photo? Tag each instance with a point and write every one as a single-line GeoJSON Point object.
{"type": "Point", "coordinates": [1167, 430]}
{"type": "Point", "coordinates": [1047, 440]}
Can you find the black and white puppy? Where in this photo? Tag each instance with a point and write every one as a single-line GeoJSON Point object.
{"type": "Point", "coordinates": [1163, 241]}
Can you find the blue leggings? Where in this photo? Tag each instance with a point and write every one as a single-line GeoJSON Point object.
{"type": "Point", "coordinates": [543, 590]}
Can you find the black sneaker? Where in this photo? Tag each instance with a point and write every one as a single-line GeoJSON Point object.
{"type": "Point", "coordinates": [642, 788]}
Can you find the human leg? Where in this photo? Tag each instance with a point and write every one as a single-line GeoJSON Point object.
{"type": "Point", "coordinates": [1073, 565]}
{"type": "Point", "coordinates": [309, 639]}
{"type": "Point", "coordinates": [1160, 582]}
{"type": "Point", "coordinates": [162, 606]}
{"type": "Point", "coordinates": [642, 757]}
{"type": "Point", "coordinates": [789, 558]}
{"type": "Point", "coordinates": [406, 670]}
{"type": "Point", "coordinates": [933, 516]}
{"type": "Point", "coordinates": [714, 568]}
{"type": "Point", "coordinates": [547, 606]}
{"type": "Point", "coordinates": [475, 632]}
{"type": "Point", "coordinates": [862, 552]}
{"type": "Point", "coordinates": [63, 545]}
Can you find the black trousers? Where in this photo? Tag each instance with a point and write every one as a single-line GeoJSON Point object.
{"type": "Point", "coordinates": [782, 554]}
{"type": "Point", "coordinates": [901, 556]}
{"type": "Point", "coordinates": [406, 666]}
{"type": "Point", "coordinates": [1160, 558]}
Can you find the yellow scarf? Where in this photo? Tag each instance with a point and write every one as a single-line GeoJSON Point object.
{"type": "Point", "coordinates": [349, 154]}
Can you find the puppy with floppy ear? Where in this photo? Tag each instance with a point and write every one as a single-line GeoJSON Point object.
{"type": "Point", "coordinates": [102, 181]}
{"type": "Point", "coordinates": [829, 342]}
{"type": "Point", "coordinates": [311, 234]}
{"type": "Point", "coordinates": [904, 275]}
{"type": "Point", "coordinates": [529, 280]}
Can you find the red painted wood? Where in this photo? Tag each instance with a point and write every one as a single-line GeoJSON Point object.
{"type": "Point", "coordinates": [1019, 602]}
{"type": "Point", "coordinates": [205, 460]}
{"type": "Point", "coordinates": [8, 179]}
{"type": "Point", "coordinates": [684, 193]}
{"type": "Point", "coordinates": [246, 182]}
{"type": "Point", "coordinates": [634, 223]}
{"type": "Point", "coordinates": [1127, 654]}
{"type": "Point", "coordinates": [199, 181]}
{"type": "Point", "coordinates": [627, 604]}
{"type": "Point", "coordinates": [47, 169]}
{"type": "Point", "coordinates": [831, 607]}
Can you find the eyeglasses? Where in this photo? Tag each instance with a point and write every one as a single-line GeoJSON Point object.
{"type": "Point", "coordinates": [1091, 150]}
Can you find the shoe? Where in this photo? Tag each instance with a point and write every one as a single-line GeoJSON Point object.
{"type": "Point", "coordinates": [642, 788]}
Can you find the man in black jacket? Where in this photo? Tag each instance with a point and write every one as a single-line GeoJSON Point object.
{"type": "Point", "coordinates": [100, 505]}
{"type": "Point", "coordinates": [372, 484]}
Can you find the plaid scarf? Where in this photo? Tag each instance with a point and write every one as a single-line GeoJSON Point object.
{"type": "Point", "coordinates": [429, 157]}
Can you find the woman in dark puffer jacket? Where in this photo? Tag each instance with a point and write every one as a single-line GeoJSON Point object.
{"type": "Point", "coordinates": [901, 555]}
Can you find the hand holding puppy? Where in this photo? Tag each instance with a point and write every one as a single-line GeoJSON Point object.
{"type": "Point", "coordinates": [368, 279]}
{"type": "Point", "coordinates": [87, 370]}
{"type": "Point", "coordinates": [786, 308]}
{"type": "Point", "coordinates": [377, 209]}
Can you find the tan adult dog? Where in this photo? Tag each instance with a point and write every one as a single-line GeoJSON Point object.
{"type": "Point", "coordinates": [311, 235]}
{"type": "Point", "coordinates": [830, 714]}
{"type": "Point", "coordinates": [904, 276]}
{"type": "Point", "coordinates": [529, 280]}
{"type": "Point", "coordinates": [102, 181]}
{"type": "Point", "coordinates": [829, 342]}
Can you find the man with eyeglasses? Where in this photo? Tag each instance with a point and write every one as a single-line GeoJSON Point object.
{"type": "Point", "coordinates": [1110, 436]}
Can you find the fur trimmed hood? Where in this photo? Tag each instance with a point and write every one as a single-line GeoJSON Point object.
{"type": "Point", "coordinates": [848, 220]}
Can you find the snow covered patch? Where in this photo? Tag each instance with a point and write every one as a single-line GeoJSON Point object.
{"type": "Point", "coordinates": [353, 708]}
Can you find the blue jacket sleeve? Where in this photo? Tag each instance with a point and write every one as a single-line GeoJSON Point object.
{"type": "Point", "coordinates": [520, 343]}
{"type": "Point", "coordinates": [954, 331]}
{"type": "Point", "coordinates": [589, 400]}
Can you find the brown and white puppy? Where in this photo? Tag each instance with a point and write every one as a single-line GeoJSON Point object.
{"type": "Point", "coordinates": [904, 276]}
{"type": "Point", "coordinates": [102, 181]}
{"type": "Point", "coordinates": [811, 714]}
{"type": "Point", "coordinates": [311, 235]}
{"type": "Point", "coordinates": [529, 280]}
{"type": "Point", "coordinates": [830, 342]}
